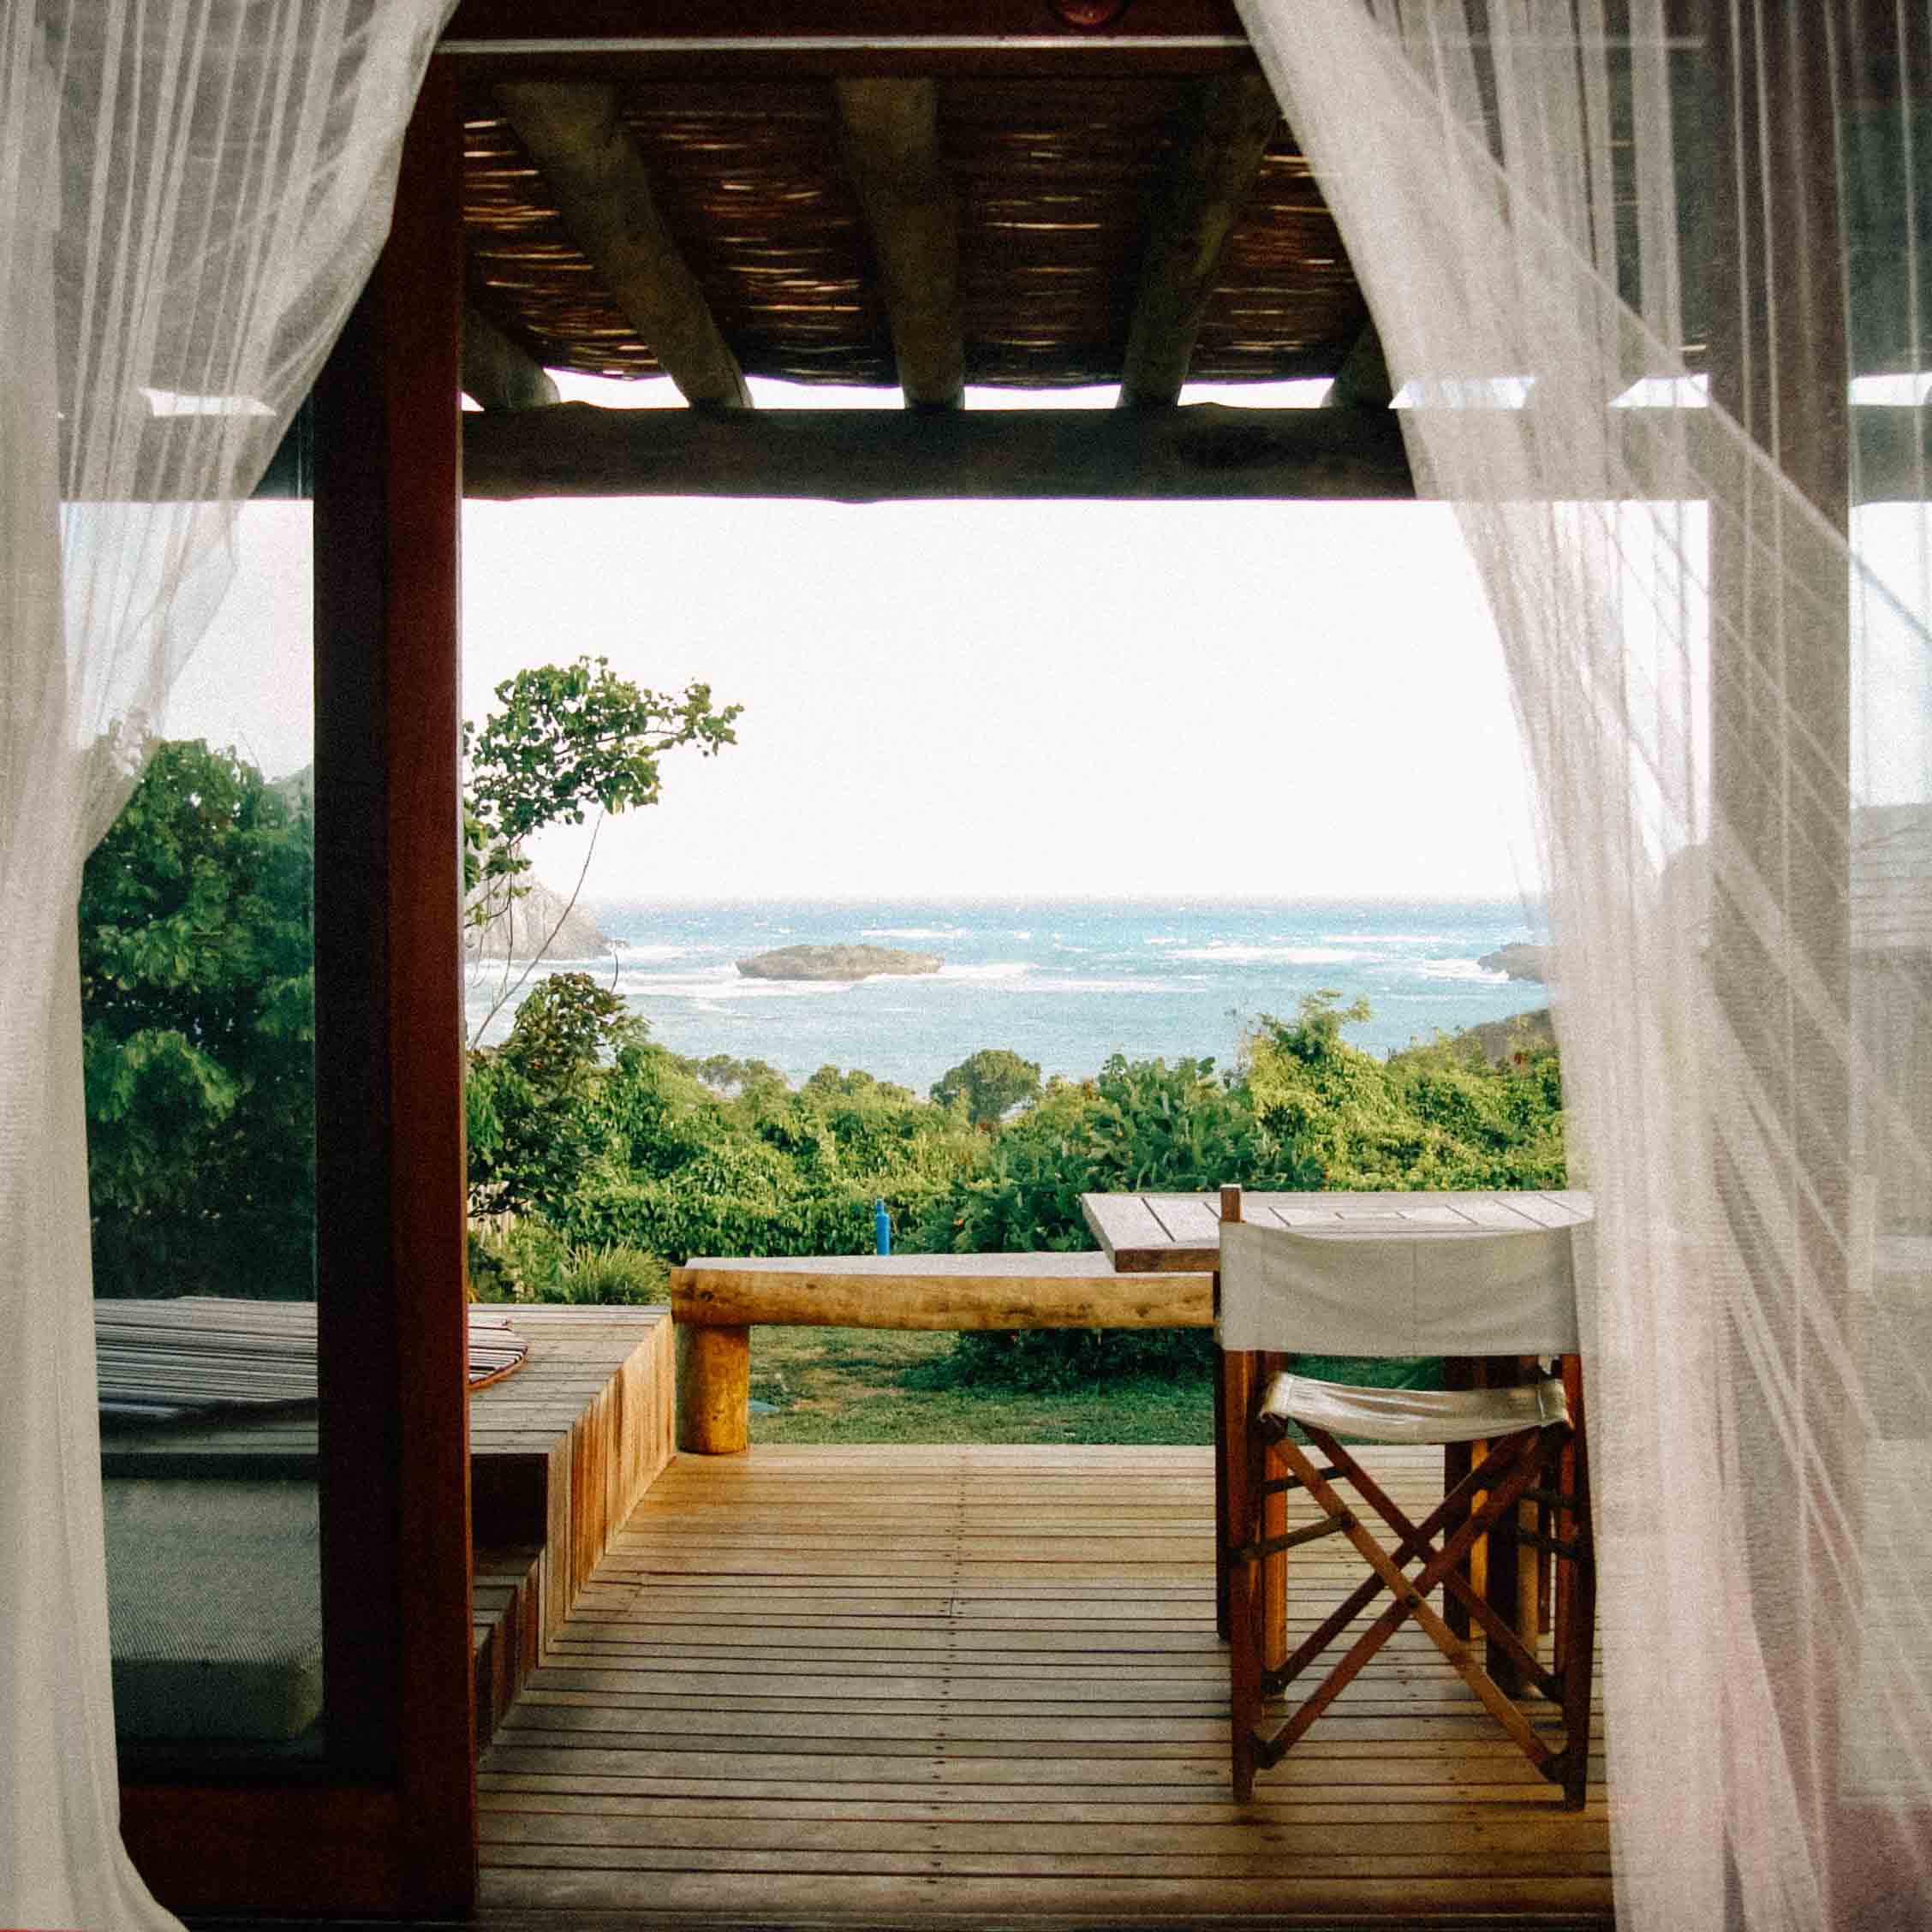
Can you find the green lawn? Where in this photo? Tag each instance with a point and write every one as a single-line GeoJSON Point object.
{"type": "Point", "coordinates": [860, 1385]}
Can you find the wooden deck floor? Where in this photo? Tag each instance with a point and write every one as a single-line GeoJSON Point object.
{"type": "Point", "coordinates": [892, 1684]}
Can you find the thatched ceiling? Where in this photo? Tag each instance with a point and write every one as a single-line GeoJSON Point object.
{"type": "Point", "coordinates": [1055, 189]}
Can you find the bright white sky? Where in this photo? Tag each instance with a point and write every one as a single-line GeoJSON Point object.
{"type": "Point", "coordinates": [1012, 700]}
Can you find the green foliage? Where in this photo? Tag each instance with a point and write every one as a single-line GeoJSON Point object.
{"type": "Point", "coordinates": [686, 1171]}
{"type": "Point", "coordinates": [198, 985]}
{"type": "Point", "coordinates": [989, 1084]}
{"type": "Point", "coordinates": [533, 1127]}
{"type": "Point", "coordinates": [1142, 1125]}
{"type": "Point", "coordinates": [564, 738]}
{"type": "Point", "coordinates": [1438, 1116]}
{"type": "Point", "coordinates": [1139, 1124]}
{"type": "Point", "coordinates": [526, 1260]}
{"type": "Point", "coordinates": [198, 1002]}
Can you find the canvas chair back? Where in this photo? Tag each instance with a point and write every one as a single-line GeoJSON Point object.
{"type": "Point", "coordinates": [1311, 1292]}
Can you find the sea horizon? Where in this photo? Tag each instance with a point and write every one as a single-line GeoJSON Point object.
{"type": "Point", "coordinates": [1065, 981]}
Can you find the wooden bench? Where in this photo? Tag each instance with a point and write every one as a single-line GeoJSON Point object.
{"type": "Point", "coordinates": [715, 1304]}
{"type": "Point", "coordinates": [561, 1452]}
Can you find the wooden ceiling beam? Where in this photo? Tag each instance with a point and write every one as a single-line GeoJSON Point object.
{"type": "Point", "coordinates": [889, 133]}
{"type": "Point", "coordinates": [1230, 122]}
{"type": "Point", "coordinates": [872, 456]}
{"type": "Point", "coordinates": [496, 373]}
{"type": "Point", "coordinates": [1195, 452]}
{"type": "Point", "coordinates": [587, 39]}
{"type": "Point", "coordinates": [576, 136]}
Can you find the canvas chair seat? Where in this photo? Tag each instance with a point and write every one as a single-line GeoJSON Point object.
{"type": "Point", "coordinates": [1413, 1416]}
{"type": "Point", "coordinates": [1485, 1297]}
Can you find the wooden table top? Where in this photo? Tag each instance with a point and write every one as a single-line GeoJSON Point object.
{"type": "Point", "coordinates": [1164, 1233]}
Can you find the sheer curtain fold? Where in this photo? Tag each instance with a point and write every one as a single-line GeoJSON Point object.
{"type": "Point", "coordinates": [1654, 274]}
{"type": "Point", "coordinates": [192, 192]}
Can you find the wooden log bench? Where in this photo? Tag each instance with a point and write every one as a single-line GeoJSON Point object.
{"type": "Point", "coordinates": [716, 1303]}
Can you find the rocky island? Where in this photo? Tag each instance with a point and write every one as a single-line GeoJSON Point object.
{"type": "Point", "coordinates": [1519, 961]}
{"type": "Point", "coordinates": [836, 962]}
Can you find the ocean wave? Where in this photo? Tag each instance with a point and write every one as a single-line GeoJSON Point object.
{"type": "Point", "coordinates": [1025, 980]}
{"type": "Point", "coordinates": [1385, 939]}
{"type": "Point", "coordinates": [719, 983]}
{"type": "Point", "coordinates": [628, 953]}
{"type": "Point", "coordinates": [915, 932]}
{"type": "Point", "coordinates": [1466, 970]}
{"type": "Point", "coordinates": [1193, 985]}
{"type": "Point", "coordinates": [996, 969]}
{"type": "Point", "coordinates": [1226, 953]}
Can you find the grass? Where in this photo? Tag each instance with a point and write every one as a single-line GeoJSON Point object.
{"type": "Point", "coordinates": [863, 1384]}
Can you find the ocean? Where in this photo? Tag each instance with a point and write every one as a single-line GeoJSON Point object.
{"type": "Point", "coordinates": [1065, 983]}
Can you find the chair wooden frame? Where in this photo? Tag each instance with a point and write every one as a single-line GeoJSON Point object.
{"type": "Point", "coordinates": [1540, 1473]}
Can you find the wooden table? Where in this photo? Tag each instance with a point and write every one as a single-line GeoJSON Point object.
{"type": "Point", "coordinates": [1157, 1233]}
{"type": "Point", "coordinates": [1163, 1233]}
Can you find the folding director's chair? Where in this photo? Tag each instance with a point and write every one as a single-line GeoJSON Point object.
{"type": "Point", "coordinates": [1478, 1295]}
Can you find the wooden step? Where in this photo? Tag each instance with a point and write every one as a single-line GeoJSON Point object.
{"type": "Point", "coordinates": [506, 1597]}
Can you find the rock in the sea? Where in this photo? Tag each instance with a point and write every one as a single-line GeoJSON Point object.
{"type": "Point", "coordinates": [836, 962]}
{"type": "Point", "coordinates": [1519, 961]}
{"type": "Point", "coordinates": [540, 924]}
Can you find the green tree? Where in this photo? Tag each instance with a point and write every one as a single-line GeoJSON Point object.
{"type": "Point", "coordinates": [1143, 1125]}
{"type": "Point", "coordinates": [564, 739]}
{"type": "Point", "coordinates": [198, 995]}
{"type": "Point", "coordinates": [534, 1128]}
{"type": "Point", "coordinates": [989, 1084]}
{"type": "Point", "coordinates": [1437, 1116]}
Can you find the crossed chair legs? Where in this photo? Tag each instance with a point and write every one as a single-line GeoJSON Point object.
{"type": "Point", "coordinates": [1542, 1467]}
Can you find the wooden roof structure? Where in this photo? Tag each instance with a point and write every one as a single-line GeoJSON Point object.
{"type": "Point", "coordinates": [1038, 194]}
{"type": "Point", "coordinates": [1059, 195]}
{"type": "Point", "coordinates": [1012, 194]}
{"type": "Point", "coordinates": [810, 213]}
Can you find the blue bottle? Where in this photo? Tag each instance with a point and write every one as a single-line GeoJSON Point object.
{"type": "Point", "coordinates": [882, 1229]}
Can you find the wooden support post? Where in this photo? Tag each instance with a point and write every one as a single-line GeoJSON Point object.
{"type": "Point", "coordinates": [713, 1391]}
{"type": "Point", "coordinates": [1780, 709]}
{"type": "Point", "coordinates": [890, 138]}
{"type": "Point", "coordinates": [576, 134]}
{"type": "Point", "coordinates": [1230, 121]}
{"type": "Point", "coordinates": [415, 685]}
{"type": "Point", "coordinates": [384, 1826]}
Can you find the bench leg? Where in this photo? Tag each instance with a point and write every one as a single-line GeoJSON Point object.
{"type": "Point", "coordinates": [714, 1389]}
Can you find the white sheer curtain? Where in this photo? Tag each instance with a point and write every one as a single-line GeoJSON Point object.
{"type": "Point", "coordinates": [1700, 229]}
{"type": "Point", "coordinates": [191, 193]}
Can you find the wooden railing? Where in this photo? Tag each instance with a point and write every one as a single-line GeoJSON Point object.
{"type": "Point", "coordinates": [715, 1304]}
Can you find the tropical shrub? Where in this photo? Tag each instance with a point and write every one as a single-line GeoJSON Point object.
{"type": "Point", "coordinates": [988, 1084]}
{"type": "Point", "coordinates": [198, 1004]}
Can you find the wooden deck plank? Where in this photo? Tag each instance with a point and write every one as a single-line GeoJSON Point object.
{"type": "Point", "coordinates": [983, 1683]}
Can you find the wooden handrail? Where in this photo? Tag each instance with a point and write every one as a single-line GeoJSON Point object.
{"type": "Point", "coordinates": [715, 1304]}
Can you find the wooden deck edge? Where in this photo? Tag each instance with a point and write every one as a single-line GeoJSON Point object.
{"type": "Point", "coordinates": [599, 1471]}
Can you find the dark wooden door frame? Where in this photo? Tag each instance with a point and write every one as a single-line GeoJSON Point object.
{"type": "Point", "coordinates": [386, 1822]}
